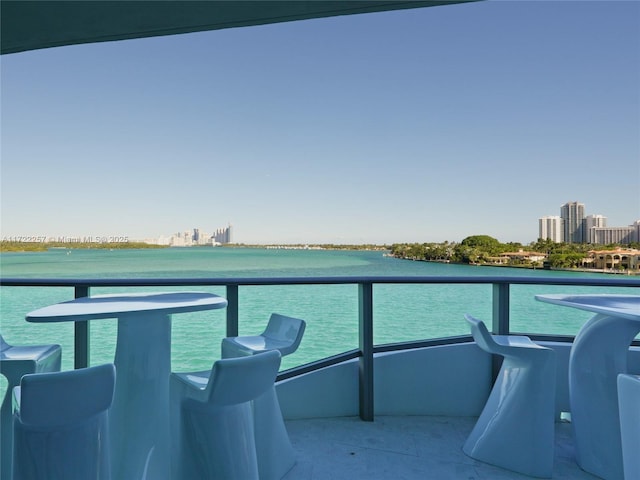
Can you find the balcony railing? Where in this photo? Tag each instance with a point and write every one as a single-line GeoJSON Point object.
{"type": "Point", "coordinates": [366, 348]}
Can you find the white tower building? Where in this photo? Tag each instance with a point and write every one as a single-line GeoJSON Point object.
{"type": "Point", "coordinates": [573, 214]}
{"type": "Point", "coordinates": [591, 222]}
{"type": "Point", "coordinates": [551, 227]}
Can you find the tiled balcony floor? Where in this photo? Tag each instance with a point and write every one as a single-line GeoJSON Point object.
{"type": "Point", "coordinates": [399, 448]}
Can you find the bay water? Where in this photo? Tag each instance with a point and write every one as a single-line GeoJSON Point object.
{"type": "Point", "coordinates": [401, 312]}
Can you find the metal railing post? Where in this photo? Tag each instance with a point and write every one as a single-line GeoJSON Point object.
{"type": "Point", "coordinates": [81, 334]}
{"type": "Point", "coordinates": [500, 321]}
{"type": "Point", "coordinates": [500, 324]}
{"type": "Point", "coordinates": [232, 310]}
{"type": "Point", "coordinates": [365, 338]}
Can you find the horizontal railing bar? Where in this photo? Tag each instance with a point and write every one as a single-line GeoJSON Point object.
{"type": "Point", "coordinates": [542, 337]}
{"type": "Point", "coordinates": [318, 364]}
{"type": "Point", "coordinates": [248, 281]}
{"type": "Point", "coordinates": [414, 344]}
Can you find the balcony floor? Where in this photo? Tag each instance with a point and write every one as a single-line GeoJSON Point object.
{"type": "Point", "coordinates": [399, 448]}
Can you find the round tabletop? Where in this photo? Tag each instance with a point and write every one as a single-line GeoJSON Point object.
{"type": "Point", "coordinates": [125, 304]}
{"type": "Point", "coordinates": [623, 306]}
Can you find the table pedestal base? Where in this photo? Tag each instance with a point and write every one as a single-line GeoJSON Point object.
{"type": "Point", "coordinates": [599, 354]}
{"type": "Point", "coordinates": [139, 420]}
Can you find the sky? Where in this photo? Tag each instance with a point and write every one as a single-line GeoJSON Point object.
{"type": "Point", "coordinates": [422, 125]}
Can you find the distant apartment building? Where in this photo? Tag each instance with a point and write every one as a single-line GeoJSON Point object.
{"type": "Point", "coordinates": [180, 239]}
{"type": "Point", "coordinates": [590, 223]}
{"type": "Point", "coordinates": [551, 228]}
{"type": "Point", "coordinates": [572, 214]}
{"type": "Point", "coordinates": [223, 235]}
{"type": "Point", "coordinates": [572, 226]}
{"type": "Point", "coordinates": [195, 238]}
{"type": "Point", "coordinates": [607, 235]}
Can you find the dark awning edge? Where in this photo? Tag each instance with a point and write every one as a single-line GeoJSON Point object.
{"type": "Point", "coordinates": [32, 25]}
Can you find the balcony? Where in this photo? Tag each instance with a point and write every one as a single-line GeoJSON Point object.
{"type": "Point", "coordinates": [389, 410]}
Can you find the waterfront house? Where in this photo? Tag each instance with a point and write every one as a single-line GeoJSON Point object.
{"type": "Point", "coordinates": [627, 259]}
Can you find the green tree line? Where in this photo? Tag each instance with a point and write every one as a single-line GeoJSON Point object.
{"type": "Point", "coordinates": [482, 249]}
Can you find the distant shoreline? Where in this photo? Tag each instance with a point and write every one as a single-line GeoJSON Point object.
{"type": "Point", "coordinates": [529, 267]}
{"type": "Point", "coordinates": [23, 247]}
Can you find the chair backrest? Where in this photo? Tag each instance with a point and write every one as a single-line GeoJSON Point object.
{"type": "Point", "coordinates": [61, 399]}
{"type": "Point", "coordinates": [285, 329]}
{"type": "Point", "coordinates": [61, 428]}
{"type": "Point", "coordinates": [482, 336]}
{"type": "Point", "coordinates": [242, 379]}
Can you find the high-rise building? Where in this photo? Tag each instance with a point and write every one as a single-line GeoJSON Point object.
{"type": "Point", "coordinates": [591, 222]}
{"type": "Point", "coordinates": [550, 228]}
{"type": "Point", "coordinates": [608, 235]}
{"type": "Point", "coordinates": [572, 214]}
{"type": "Point", "coordinates": [222, 235]}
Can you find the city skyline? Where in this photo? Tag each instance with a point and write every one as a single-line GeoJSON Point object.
{"type": "Point", "coordinates": [424, 125]}
{"type": "Point", "coordinates": [593, 230]}
{"type": "Point", "coordinates": [573, 225]}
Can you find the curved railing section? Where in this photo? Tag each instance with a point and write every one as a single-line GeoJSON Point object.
{"type": "Point", "coordinates": [366, 348]}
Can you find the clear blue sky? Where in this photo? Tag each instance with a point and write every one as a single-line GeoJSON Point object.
{"type": "Point", "coordinates": [411, 126]}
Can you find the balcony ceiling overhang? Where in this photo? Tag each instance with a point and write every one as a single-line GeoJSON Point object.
{"type": "Point", "coordinates": [32, 24]}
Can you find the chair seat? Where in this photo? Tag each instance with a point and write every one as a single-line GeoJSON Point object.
{"type": "Point", "coordinates": [282, 333]}
{"type": "Point", "coordinates": [516, 427]}
{"type": "Point", "coordinates": [250, 345]}
{"type": "Point", "coordinates": [197, 380]}
{"type": "Point", "coordinates": [515, 341]}
{"type": "Point", "coordinates": [33, 353]}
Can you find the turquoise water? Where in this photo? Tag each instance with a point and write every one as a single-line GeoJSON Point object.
{"type": "Point", "coordinates": [401, 312]}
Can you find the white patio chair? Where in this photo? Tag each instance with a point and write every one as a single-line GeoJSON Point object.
{"type": "Point", "coordinates": [16, 361]}
{"type": "Point", "coordinates": [516, 427]}
{"type": "Point", "coordinates": [212, 424]}
{"type": "Point", "coordinates": [629, 404]}
{"type": "Point", "coordinates": [275, 452]}
{"type": "Point", "coordinates": [60, 427]}
{"type": "Point", "coordinates": [282, 333]}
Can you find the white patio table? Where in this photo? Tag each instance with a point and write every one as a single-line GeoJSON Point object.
{"type": "Point", "coordinates": [599, 353]}
{"type": "Point", "coordinates": [139, 417]}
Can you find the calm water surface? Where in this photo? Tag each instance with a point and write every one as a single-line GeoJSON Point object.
{"type": "Point", "coordinates": [401, 312]}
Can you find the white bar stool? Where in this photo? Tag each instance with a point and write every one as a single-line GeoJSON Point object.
{"type": "Point", "coordinates": [212, 425]}
{"type": "Point", "coordinates": [516, 427]}
{"type": "Point", "coordinates": [282, 333]}
{"type": "Point", "coordinates": [60, 426]}
{"type": "Point", "coordinates": [629, 403]}
{"type": "Point", "coordinates": [275, 452]}
{"type": "Point", "coordinates": [16, 361]}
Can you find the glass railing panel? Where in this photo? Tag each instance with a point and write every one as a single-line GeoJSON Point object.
{"type": "Point", "coordinates": [527, 315]}
{"type": "Point", "coordinates": [404, 313]}
{"type": "Point", "coordinates": [16, 302]}
{"type": "Point", "coordinates": [330, 311]}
